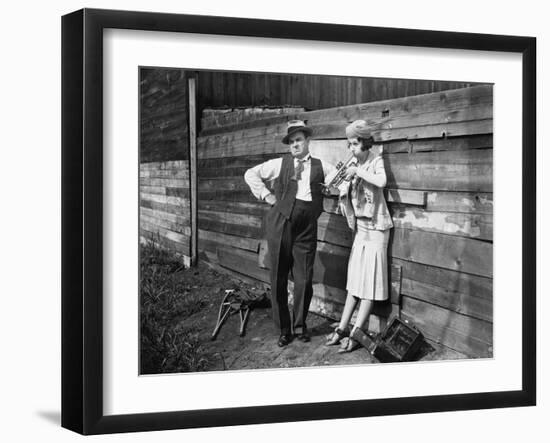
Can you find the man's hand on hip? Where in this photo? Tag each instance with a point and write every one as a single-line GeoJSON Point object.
{"type": "Point", "coordinates": [270, 199]}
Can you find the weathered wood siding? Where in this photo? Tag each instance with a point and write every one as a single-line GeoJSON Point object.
{"type": "Point", "coordinates": [164, 132]}
{"type": "Point", "coordinates": [164, 208]}
{"type": "Point", "coordinates": [163, 100]}
{"type": "Point", "coordinates": [216, 118]}
{"type": "Point", "coordinates": [233, 89]}
{"type": "Point", "coordinates": [438, 157]}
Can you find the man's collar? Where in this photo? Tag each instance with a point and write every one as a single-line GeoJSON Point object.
{"type": "Point", "coordinates": [305, 159]}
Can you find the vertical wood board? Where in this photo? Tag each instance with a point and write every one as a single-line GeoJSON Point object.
{"type": "Point", "coordinates": [193, 166]}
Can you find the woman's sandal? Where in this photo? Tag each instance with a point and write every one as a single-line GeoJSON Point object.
{"type": "Point", "coordinates": [349, 345]}
{"type": "Point", "coordinates": [335, 337]}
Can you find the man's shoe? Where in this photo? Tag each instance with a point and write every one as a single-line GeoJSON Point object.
{"type": "Point", "coordinates": [304, 337]}
{"type": "Point", "coordinates": [284, 340]}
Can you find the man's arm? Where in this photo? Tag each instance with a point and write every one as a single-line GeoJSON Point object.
{"type": "Point", "coordinates": [256, 177]}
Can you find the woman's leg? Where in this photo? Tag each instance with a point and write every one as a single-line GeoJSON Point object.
{"type": "Point", "coordinates": [365, 309]}
{"type": "Point", "coordinates": [351, 302]}
{"type": "Point", "coordinates": [340, 332]}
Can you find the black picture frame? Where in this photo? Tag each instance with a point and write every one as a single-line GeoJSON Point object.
{"type": "Point", "coordinates": [82, 218]}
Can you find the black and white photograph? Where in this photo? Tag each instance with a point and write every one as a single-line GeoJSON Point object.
{"type": "Point", "coordinates": [247, 222]}
{"type": "Point", "coordinates": [298, 220]}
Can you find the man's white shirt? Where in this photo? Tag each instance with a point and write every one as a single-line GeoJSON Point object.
{"type": "Point", "coordinates": [257, 176]}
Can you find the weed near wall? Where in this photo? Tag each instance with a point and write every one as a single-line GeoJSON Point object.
{"type": "Point", "coordinates": [166, 345]}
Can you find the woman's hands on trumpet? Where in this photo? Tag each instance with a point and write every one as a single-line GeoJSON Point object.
{"type": "Point", "coordinates": [345, 172]}
{"type": "Point", "coordinates": [351, 172]}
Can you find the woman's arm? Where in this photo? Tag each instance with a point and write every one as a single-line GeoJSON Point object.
{"type": "Point", "coordinates": [378, 176]}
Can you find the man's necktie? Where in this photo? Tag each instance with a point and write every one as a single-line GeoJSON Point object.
{"type": "Point", "coordinates": [298, 169]}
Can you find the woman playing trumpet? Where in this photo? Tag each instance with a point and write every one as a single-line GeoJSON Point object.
{"type": "Point", "coordinates": [362, 202]}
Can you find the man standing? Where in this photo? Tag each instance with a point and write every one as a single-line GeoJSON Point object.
{"type": "Point", "coordinates": [291, 225]}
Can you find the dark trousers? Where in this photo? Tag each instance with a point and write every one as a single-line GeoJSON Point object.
{"type": "Point", "coordinates": [292, 245]}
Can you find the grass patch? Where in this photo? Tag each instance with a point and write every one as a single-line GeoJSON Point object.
{"type": "Point", "coordinates": [165, 301]}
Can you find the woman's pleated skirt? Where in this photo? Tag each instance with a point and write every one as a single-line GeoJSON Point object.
{"type": "Point", "coordinates": [368, 264]}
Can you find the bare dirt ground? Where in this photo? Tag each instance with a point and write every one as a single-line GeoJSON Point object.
{"type": "Point", "coordinates": [258, 347]}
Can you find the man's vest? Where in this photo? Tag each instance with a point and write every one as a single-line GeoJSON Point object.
{"type": "Point", "coordinates": [285, 187]}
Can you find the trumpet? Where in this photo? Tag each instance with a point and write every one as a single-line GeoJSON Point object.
{"type": "Point", "coordinates": [340, 175]}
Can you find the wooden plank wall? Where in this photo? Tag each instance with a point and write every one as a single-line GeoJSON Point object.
{"type": "Point", "coordinates": [214, 118]}
{"type": "Point", "coordinates": [234, 89]}
{"type": "Point", "coordinates": [438, 158]}
{"type": "Point", "coordinates": [164, 209]}
{"type": "Point", "coordinates": [163, 115]}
